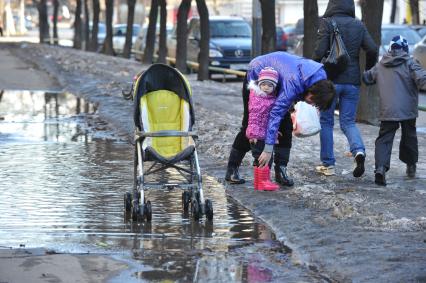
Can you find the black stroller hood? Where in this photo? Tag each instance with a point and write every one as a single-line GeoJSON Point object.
{"type": "Point", "coordinates": [162, 77]}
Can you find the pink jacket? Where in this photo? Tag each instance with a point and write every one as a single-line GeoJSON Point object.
{"type": "Point", "coordinates": [259, 106]}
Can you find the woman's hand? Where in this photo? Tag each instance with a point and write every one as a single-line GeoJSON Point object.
{"type": "Point", "coordinates": [264, 159]}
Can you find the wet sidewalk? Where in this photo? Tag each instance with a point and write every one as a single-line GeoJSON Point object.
{"type": "Point", "coordinates": [345, 228]}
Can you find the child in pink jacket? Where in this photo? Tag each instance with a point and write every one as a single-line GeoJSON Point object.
{"type": "Point", "coordinates": [262, 98]}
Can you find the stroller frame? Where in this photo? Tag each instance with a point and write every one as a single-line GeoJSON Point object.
{"type": "Point", "coordinates": [136, 203]}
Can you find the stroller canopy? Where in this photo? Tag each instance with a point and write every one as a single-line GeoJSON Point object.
{"type": "Point", "coordinates": [162, 77]}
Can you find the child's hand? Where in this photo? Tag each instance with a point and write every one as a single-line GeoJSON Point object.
{"type": "Point", "coordinates": [253, 141]}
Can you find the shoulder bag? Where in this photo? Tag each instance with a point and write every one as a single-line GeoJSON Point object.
{"type": "Point", "coordinates": [337, 58]}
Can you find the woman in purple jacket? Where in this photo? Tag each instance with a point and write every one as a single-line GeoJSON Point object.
{"type": "Point", "coordinates": [299, 79]}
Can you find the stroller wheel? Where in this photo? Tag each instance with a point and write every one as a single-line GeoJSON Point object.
{"type": "Point", "coordinates": [148, 211]}
{"type": "Point", "coordinates": [186, 199]}
{"type": "Point", "coordinates": [195, 209]}
{"type": "Point", "coordinates": [135, 212]}
{"type": "Point", "coordinates": [141, 213]}
{"type": "Point", "coordinates": [209, 209]}
{"type": "Point", "coordinates": [127, 202]}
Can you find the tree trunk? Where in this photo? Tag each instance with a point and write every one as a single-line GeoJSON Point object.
{"type": "Point", "coordinates": [95, 27]}
{"type": "Point", "coordinates": [368, 107]}
{"type": "Point", "coordinates": [77, 26]}
{"type": "Point", "coordinates": [1, 17]}
{"type": "Point", "coordinates": [86, 26]}
{"type": "Point", "coordinates": [129, 31]}
{"type": "Point", "coordinates": [22, 28]}
{"type": "Point", "coordinates": [107, 47]}
{"type": "Point", "coordinates": [256, 29]}
{"type": "Point", "coordinates": [148, 54]}
{"type": "Point", "coordinates": [162, 46]}
{"type": "Point", "coordinates": [182, 35]}
{"type": "Point", "coordinates": [415, 17]}
{"type": "Point", "coordinates": [268, 26]}
{"type": "Point", "coordinates": [310, 11]}
{"type": "Point", "coordinates": [43, 21]}
{"type": "Point", "coordinates": [393, 12]}
{"type": "Point", "coordinates": [55, 22]}
{"type": "Point", "coordinates": [203, 57]}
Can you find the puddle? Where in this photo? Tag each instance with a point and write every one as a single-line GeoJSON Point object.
{"type": "Point", "coordinates": [63, 178]}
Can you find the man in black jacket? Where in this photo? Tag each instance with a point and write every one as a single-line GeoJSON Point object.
{"type": "Point", "coordinates": [355, 36]}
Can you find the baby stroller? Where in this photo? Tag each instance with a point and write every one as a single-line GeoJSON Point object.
{"type": "Point", "coordinates": [163, 117]}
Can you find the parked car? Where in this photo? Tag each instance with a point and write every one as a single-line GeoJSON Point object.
{"type": "Point", "coordinates": [290, 31]}
{"type": "Point", "coordinates": [420, 29]}
{"type": "Point", "coordinates": [230, 42]}
{"type": "Point", "coordinates": [294, 34]}
{"type": "Point", "coordinates": [139, 44]}
{"type": "Point", "coordinates": [119, 36]}
{"type": "Point", "coordinates": [281, 41]}
{"type": "Point", "coordinates": [419, 52]}
{"type": "Point", "coordinates": [101, 32]}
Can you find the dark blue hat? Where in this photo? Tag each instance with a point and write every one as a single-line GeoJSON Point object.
{"type": "Point", "coordinates": [398, 42]}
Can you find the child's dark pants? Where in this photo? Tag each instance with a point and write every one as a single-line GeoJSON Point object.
{"type": "Point", "coordinates": [256, 151]}
{"type": "Point", "coordinates": [408, 147]}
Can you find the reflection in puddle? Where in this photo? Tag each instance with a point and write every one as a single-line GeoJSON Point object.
{"type": "Point", "coordinates": [29, 117]}
{"type": "Point", "coordinates": [63, 189]}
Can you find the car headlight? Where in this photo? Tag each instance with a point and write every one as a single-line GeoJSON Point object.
{"type": "Point", "coordinates": [215, 53]}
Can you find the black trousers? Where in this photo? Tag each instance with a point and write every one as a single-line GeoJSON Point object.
{"type": "Point", "coordinates": [242, 144]}
{"type": "Point", "coordinates": [408, 146]}
{"type": "Point", "coordinates": [256, 151]}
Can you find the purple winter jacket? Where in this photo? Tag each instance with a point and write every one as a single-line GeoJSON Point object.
{"type": "Point", "coordinates": [296, 75]}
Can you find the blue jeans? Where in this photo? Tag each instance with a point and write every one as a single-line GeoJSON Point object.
{"type": "Point", "coordinates": [348, 97]}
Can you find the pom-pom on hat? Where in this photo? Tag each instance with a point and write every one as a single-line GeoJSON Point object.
{"type": "Point", "coordinates": [268, 75]}
{"type": "Point", "coordinates": [398, 42]}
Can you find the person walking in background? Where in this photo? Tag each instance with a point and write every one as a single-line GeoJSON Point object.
{"type": "Point", "coordinates": [399, 78]}
{"type": "Point", "coordinates": [355, 36]}
{"type": "Point", "coordinates": [299, 79]}
{"type": "Point", "coordinates": [262, 97]}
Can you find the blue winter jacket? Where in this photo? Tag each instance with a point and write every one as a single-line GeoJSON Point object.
{"type": "Point", "coordinates": [296, 75]}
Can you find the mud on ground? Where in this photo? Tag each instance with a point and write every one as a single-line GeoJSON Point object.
{"type": "Point", "coordinates": [349, 229]}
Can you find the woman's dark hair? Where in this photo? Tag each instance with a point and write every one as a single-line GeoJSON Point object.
{"type": "Point", "coordinates": [323, 93]}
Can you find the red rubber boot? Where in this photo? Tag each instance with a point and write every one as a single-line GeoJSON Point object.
{"type": "Point", "coordinates": [265, 183]}
{"type": "Point", "coordinates": [256, 178]}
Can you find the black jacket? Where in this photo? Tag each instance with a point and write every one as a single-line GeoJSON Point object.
{"type": "Point", "coordinates": [355, 36]}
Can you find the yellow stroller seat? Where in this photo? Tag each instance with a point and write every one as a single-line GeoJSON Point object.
{"type": "Point", "coordinates": [164, 116]}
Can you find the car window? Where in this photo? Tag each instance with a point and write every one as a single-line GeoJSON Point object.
{"type": "Point", "coordinates": [229, 29]}
{"type": "Point", "coordinates": [101, 28]}
{"type": "Point", "coordinates": [422, 32]}
{"type": "Point", "coordinates": [289, 29]}
{"type": "Point", "coordinates": [409, 34]}
{"type": "Point", "coordinates": [136, 30]}
{"type": "Point", "coordinates": [119, 31]}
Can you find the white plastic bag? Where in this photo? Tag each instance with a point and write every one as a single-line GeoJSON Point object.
{"type": "Point", "coordinates": [305, 120]}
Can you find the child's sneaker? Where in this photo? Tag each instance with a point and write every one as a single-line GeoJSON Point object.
{"type": "Point", "coordinates": [326, 170]}
{"type": "Point", "coordinates": [359, 164]}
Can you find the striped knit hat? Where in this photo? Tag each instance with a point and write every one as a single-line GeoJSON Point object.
{"type": "Point", "coordinates": [268, 74]}
{"type": "Point", "coordinates": [398, 42]}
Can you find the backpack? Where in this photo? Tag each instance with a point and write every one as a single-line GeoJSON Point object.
{"type": "Point", "coordinates": [337, 58]}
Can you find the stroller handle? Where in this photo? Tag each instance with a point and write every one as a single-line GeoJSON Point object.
{"type": "Point", "coordinates": [141, 134]}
